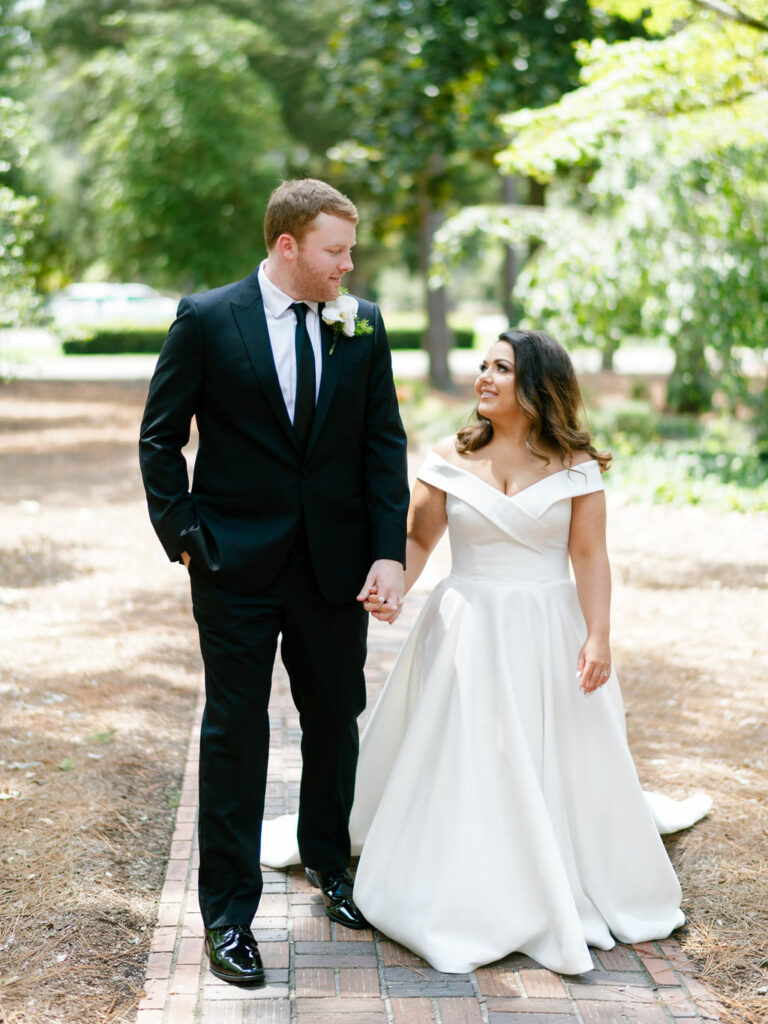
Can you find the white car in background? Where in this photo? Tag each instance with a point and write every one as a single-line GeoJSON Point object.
{"type": "Point", "coordinates": [103, 304]}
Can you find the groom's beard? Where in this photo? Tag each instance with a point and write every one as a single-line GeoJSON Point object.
{"type": "Point", "coordinates": [311, 284]}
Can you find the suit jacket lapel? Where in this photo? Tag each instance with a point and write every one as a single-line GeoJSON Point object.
{"type": "Point", "coordinates": [328, 379]}
{"type": "Point", "coordinates": [252, 325]}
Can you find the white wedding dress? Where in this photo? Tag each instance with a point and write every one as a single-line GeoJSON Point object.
{"type": "Point", "coordinates": [497, 807]}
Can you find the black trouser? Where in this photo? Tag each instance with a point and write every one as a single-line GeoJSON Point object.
{"type": "Point", "coordinates": [323, 649]}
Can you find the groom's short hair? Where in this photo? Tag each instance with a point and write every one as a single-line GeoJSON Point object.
{"type": "Point", "coordinates": [295, 204]}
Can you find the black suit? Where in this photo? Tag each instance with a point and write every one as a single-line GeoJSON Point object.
{"type": "Point", "coordinates": [281, 542]}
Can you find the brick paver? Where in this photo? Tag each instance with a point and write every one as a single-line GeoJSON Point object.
{"type": "Point", "coordinates": [320, 973]}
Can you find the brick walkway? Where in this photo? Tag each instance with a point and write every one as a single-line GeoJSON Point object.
{"type": "Point", "coordinates": [319, 973]}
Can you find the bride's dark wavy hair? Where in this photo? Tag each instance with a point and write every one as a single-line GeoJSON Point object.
{"type": "Point", "coordinates": [549, 397]}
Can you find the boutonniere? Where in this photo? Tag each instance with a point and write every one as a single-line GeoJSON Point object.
{"type": "Point", "coordinates": [341, 317]}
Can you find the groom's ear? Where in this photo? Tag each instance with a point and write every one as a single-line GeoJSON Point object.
{"type": "Point", "coordinates": [287, 247]}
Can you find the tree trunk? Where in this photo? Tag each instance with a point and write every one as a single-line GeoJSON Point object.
{"type": "Point", "coordinates": [438, 339]}
{"type": "Point", "coordinates": [511, 263]}
{"type": "Point", "coordinates": [761, 419]}
{"type": "Point", "coordinates": [608, 352]}
{"type": "Point", "coordinates": [537, 195]}
{"type": "Point", "coordinates": [690, 386]}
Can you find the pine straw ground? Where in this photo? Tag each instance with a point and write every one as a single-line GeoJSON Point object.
{"type": "Point", "coordinates": [99, 669]}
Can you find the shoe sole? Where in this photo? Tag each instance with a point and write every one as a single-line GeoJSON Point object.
{"type": "Point", "coordinates": [256, 982]}
{"type": "Point", "coordinates": [346, 924]}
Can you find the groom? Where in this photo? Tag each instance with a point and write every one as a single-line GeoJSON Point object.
{"type": "Point", "coordinates": [296, 512]}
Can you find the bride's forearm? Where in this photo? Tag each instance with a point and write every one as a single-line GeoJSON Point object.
{"type": "Point", "coordinates": [416, 556]}
{"type": "Point", "coordinates": [593, 584]}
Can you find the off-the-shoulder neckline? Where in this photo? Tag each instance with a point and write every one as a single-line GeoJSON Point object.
{"type": "Point", "coordinates": [503, 494]}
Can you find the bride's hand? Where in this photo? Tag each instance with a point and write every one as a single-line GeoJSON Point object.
{"type": "Point", "coordinates": [594, 665]}
{"type": "Point", "coordinates": [383, 612]}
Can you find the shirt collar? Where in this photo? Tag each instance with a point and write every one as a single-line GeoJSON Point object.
{"type": "Point", "coordinates": [275, 300]}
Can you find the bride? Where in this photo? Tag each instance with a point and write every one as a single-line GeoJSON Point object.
{"type": "Point", "coordinates": [497, 804]}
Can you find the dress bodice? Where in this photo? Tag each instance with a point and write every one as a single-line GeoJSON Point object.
{"type": "Point", "coordinates": [517, 540]}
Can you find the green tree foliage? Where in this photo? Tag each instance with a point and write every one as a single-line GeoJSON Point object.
{"type": "Point", "coordinates": [297, 33]}
{"type": "Point", "coordinates": [184, 144]}
{"type": "Point", "coordinates": [17, 221]}
{"type": "Point", "coordinates": [167, 122]}
{"type": "Point", "coordinates": [421, 83]}
{"type": "Point", "coordinates": [18, 215]}
{"type": "Point", "coordinates": [659, 163]}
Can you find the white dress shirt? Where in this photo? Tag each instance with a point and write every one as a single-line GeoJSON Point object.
{"type": "Point", "coordinates": [281, 324]}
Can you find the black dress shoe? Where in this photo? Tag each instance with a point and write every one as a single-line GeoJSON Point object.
{"type": "Point", "coordinates": [337, 893]}
{"type": "Point", "coordinates": [234, 956]}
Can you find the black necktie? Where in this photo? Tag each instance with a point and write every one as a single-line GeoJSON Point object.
{"type": "Point", "coordinates": [305, 377]}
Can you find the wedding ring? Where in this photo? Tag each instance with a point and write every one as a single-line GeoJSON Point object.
{"type": "Point", "coordinates": [603, 673]}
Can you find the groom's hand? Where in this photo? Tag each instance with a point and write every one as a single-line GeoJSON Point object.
{"type": "Point", "coordinates": [383, 587]}
{"type": "Point", "coordinates": [186, 558]}
{"type": "Point", "coordinates": [382, 612]}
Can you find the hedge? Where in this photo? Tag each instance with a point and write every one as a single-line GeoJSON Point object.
{"type": "Point", "coordinates": [151, 341]}
{"type": "Point", "coordinates": [411, 337]}
{"type": "Point", "coordinates": [117, 342]}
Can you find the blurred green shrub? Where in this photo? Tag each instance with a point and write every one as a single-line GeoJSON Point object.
{"type": "Point", "coordinates": [638, 421]}
{"type": "Point", "coordinates": [679, 425]}
{"type": "Point", "coordinates": [412, 337]}
{"type": "Point", "coordinates": [639, 391]}
{"type": "Point", "coordinates": [117, 342]}
{"type": "Point", "coordinates": [691, 462]}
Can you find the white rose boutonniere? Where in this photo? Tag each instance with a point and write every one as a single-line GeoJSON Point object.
{"type": "Point", "coordinates": [341, 316]}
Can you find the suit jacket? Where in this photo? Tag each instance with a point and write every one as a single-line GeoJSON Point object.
{"type": "Point", "coordinates": [252, 487]}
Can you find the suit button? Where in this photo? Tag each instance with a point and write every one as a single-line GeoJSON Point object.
{"type": "Point", "coordinates": [305, 473]}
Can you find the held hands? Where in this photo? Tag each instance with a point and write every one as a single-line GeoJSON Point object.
{"type": "Point", "coordinates": [383, 612]}
{"type": "Point", "coordinates": [382, 592]}
{"type": "Point", "coordinates": [594, 664]}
